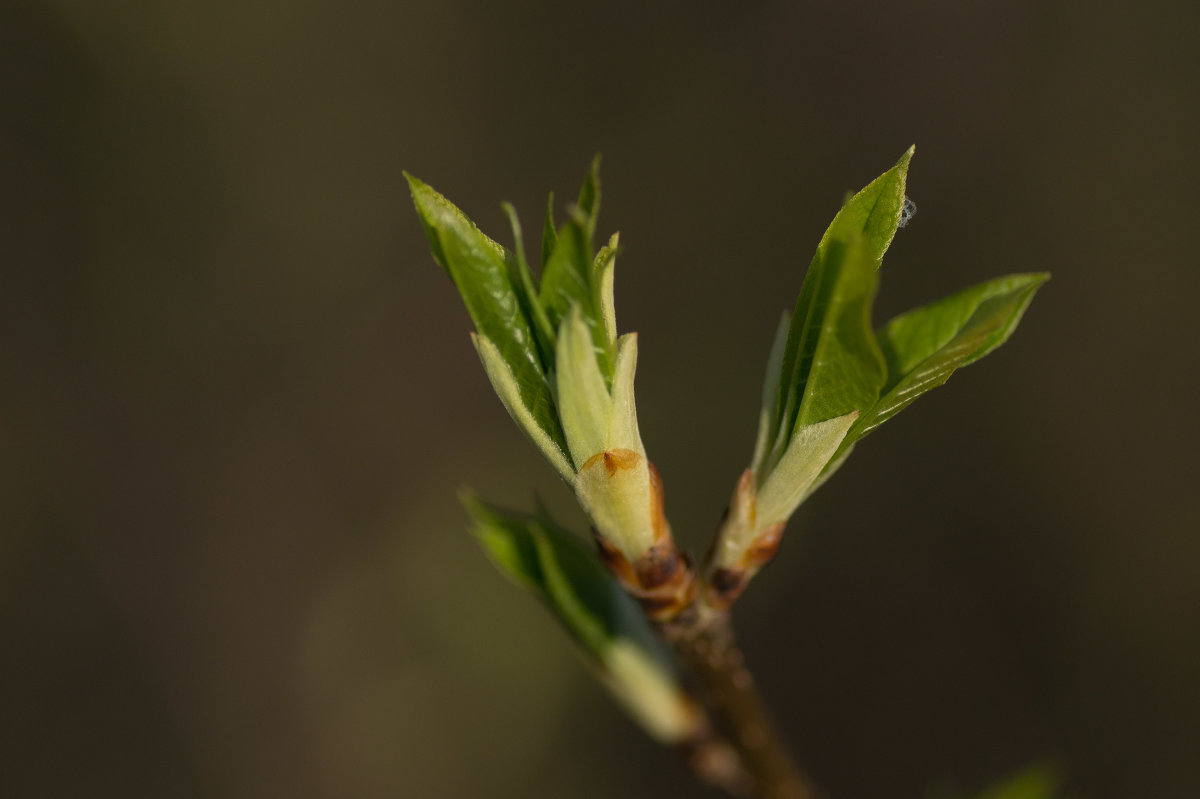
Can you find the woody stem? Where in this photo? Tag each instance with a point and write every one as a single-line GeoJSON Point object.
{"type": "Point", "coordinates": [704, 641]}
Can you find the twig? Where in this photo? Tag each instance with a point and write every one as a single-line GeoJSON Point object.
{"type": "Point", "coordinates": [738, 749]}
{"type": "Point", "coordinates": [704, 642]}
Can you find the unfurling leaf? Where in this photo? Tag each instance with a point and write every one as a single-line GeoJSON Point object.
{"type": "Point", "coordinates": [569, 277]}
{"type": "Point", "coordinates": [811, 448]}
{"type": "Point", "coordinates": [549, 345]}
{"type": "Point", "coordinates": [837, 293]}
{"type": "Point", "coordinates": [584, 402]}
{"type": "Point", "coordinates": [615, 491]}
{"type": "Point", "coordinates": [830, 364]}
{"type": "Point", "coordinates": [831, 378]}
{"type": "Point", "coordinates": [754, 509]}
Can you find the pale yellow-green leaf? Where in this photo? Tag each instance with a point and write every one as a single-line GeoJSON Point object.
{"type": "Point", "coordinates": [648, 692]}
{"type": "Point", "coordinates": [584, 404]}
{"type": "Point", "coordinates": [623, 430]}
{"type": "Point", "coordinates": [811, 448]}
{"type": "Point", "coordinates": [614, 490]}
{"type": "Point", "coordinates": [829, 469]}
{"type": "Point", "coordinates": [606, 262]}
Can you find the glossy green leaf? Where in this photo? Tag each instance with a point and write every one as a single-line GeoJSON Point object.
{"type": "Point", "coordinates": [847, 368]}
{"type": "Point", "coordinates": [480, 270]}
{"type": "Point", "coordinates": [841, 368]}
{"type": "Point", "coordinates": [603, 620]}
{"type": "Point", "coordinates": [569, 277]}
{"type": "Point", "coordinates": [874, 213]}
{"type": "Point", "coordinates": [830, 363]}
{"type": "Point", "coordinates": [925, 346]}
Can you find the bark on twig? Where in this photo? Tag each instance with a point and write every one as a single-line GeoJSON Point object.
{"type": "Point", "coordinates": [704, 641]}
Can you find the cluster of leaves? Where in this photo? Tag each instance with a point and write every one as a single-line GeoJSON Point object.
{"type": "Point", "coordinates": [551, 350]}
{"type": "Point", "coordinates": [519, 318]}
{"type": "Point", "coordinates": [832, 378]}
{"type": "Point", "coordinates": [549, 345]}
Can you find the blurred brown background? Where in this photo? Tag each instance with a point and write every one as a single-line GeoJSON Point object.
{"type": "Point", "coordinates": [237, 396]}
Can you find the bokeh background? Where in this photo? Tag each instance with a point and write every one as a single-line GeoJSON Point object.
{"type": "Point", "coordinates": [237, 397]}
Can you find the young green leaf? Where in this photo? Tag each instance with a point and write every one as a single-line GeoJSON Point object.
{"type": "Point", "coordinates": [875, 211]}
{"type": "Point", "coordinates": [831, 378]}
{"type": "Point", "coordinates": [612, 480]}
{"type": "Point", "coordinates": [480, 270]}
{"type": "Point", "coordinates": [811, 448]}
{"type": "Point", "coordinates": [840, 368]}
{"type": "Point", "coordinates": [615, 490]}
{"type": "Point", "coordinates": [847, 368]}
{"type": "Point", "coordinates": [925, 346]}
{"type": "Point", "coordinates": [589, 195]}
{"type": "Point", "coordinates": [526, 289]}
{"type": "Point", "coordinates": [566, 279]}
{"type": "Point", "coordinates": [623, 432]}
{"type": "Point", "coordinates": [852, 246]}
{"type": "Point", "coordinates": [569, 277]}
{"type": "Point", "coordinates": [584, 402]}
{"type": "Point", "coordinates": [587, 601]}
{"type": "Point", "coordinates": [603, 269]}
{"type": "Point", "coordinates": [549, 234]}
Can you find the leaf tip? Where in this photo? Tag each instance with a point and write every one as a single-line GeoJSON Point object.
{"type": "Point", "coordinates": [415, 184]}
{"type": "Point", "coordinates": [514, 222]}
{"type": "Point", "coordinates": [1033, 281]}
{"type": "Point", "coordinates": [589, 193]}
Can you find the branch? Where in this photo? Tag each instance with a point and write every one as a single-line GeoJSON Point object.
{"type": "Point", "coordinates": [703, 640]}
